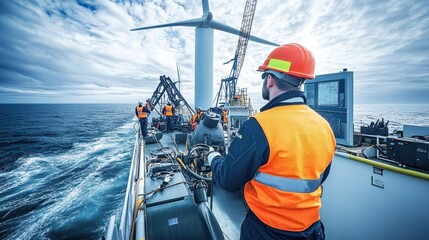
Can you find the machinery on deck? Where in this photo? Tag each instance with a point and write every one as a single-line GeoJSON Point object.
{"type": "Point", "coordinates": [175, 196]}
{"type": "Point", "coordinates": [209, 131]}
{"type": "Point", "coordinates": [168, 87]}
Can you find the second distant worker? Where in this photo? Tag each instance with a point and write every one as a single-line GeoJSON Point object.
{"type": "Point", "coordinates": [142, 113]}
{"type": "Point", "coordinates": [168, 112]}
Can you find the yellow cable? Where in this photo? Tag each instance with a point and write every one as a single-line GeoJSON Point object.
{"type": "Point", "coordinates": [180, 161]}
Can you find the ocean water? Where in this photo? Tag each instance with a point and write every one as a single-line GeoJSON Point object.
{"type": "Point", "coordinates": [396, 114]}
{"type": "Point", "coordinates": [64, 168]}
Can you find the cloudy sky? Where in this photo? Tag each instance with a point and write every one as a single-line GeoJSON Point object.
{"type": "Point", "coordinates": [83, 52]}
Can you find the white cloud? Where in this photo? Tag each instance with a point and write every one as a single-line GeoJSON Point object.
{"type": "Point", "coordinates": [54, 46]}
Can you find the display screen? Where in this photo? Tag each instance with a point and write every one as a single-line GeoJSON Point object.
{"type": "Point", "coordinates": [328, 94]}
{"type": "Point", "coordinates": [331, 95]}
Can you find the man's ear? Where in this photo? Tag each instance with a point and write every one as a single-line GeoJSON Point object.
{"type": "Point", "coordinates": [270, 81]}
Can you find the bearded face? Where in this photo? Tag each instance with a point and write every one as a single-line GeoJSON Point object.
{"type": "Point", "coordinates": [265, 93]}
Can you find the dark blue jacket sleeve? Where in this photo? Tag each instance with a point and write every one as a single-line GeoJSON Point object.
{"type": "Point", "coordinates": [146, 110]}
{"type": "Point", "coordinates": [247, 152]}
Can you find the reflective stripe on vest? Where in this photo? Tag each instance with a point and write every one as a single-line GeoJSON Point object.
{"type": "Point", "coordinates": [289, 184]}
{"type": "Point", "coordinates": [168, 111]}
{"type": "Point", "coordinates": [140, 113]}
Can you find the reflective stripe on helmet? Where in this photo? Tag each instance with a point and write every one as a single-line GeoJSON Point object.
{"type": "Point", "coordinates": [289, 184]}
{"type": "Point", "coordinates": [279, 64]}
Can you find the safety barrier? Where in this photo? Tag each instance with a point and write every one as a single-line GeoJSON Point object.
{"type": "Point", "coordinates": [113, 233]}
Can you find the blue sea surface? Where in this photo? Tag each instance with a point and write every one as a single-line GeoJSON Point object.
{"type": "Point", "coordinates": [64, 167]}
{"type": "Point", "coordinates": [397, 115]}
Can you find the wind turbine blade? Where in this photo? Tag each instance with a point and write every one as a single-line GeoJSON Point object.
{"type": "Point", "coordinates": [187, 23]}
{"type": "Point", "coordinates": [225, 28]}
{"type": "Point", "coordinates": [260, 40]}
{"type": "Point", "coordinates": [206, 7]}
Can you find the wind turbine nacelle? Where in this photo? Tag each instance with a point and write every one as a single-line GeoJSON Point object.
{"type": "Point", "coordinates": [208, 16]}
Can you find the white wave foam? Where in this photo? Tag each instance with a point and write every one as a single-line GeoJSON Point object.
{"type": "Point", "coordinates": [81, 168]}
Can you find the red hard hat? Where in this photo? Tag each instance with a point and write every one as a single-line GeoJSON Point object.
{"type": "Point", "coordinates": [292, 59]}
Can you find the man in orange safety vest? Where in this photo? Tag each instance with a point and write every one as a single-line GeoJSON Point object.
{"type": "Point", "coordinates": [281, 155]}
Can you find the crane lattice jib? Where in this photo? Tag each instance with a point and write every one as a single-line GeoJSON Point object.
{"type": "Point", "coordinates": [246, 27]}
{"type": "Point", "coordinates": [229, 84]}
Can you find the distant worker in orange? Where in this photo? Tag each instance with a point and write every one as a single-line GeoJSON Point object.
{"type": "Point", "coordinates": [196, 118]}
{"type": "Point", "coordinates": [224, 116]}
{"type": "Point", "coordinates": [142, 113]}
{"type": "Point", "coordinates": [168, 112]}
{"type": "Point", "coordinates": [281, 155]}
{"type": "Point", "coordinates": [236, 99]}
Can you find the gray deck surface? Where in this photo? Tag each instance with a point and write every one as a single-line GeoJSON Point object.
{"type": "Point", "coordinates": [228, 207]}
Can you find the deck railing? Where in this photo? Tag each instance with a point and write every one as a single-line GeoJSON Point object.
{"type": "Point", "coordinates": [123, 231]}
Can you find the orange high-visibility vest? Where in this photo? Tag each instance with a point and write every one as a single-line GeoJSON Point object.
{"type": "Point", "coordinates": [168, 111]}
{"type": "Point", "coordinates": [199, 115]}
{"type": "Point", "coordinates": [196, 116]}
{"type": "Point", "coordinates": [225, 116]}
{"type": "Point", "coordinates": [140, 113]}
{"type": "Point", "coordinates": [193, 122]}
{"type": "Point", "coordinates": [285, 192]}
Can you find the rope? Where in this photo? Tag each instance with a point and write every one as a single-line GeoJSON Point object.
{"type": "Point", "coordinates": [159, 189]}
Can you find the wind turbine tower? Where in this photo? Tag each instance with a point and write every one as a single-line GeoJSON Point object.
{"type": "Point", "coordinates": [204, 51]}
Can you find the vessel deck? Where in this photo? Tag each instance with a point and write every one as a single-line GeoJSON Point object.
{"type": "Point", "coordinates": [228, 207]}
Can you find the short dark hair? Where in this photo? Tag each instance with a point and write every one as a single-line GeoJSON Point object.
{"type": "Point", "coordinates": [283, 85]}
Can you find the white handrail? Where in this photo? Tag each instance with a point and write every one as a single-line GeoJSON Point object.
{"type": "Point", "coordinates": [127, 209]}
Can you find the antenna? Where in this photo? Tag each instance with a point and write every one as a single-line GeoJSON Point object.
{"type": "Point", "coordinates": [178, 74]}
